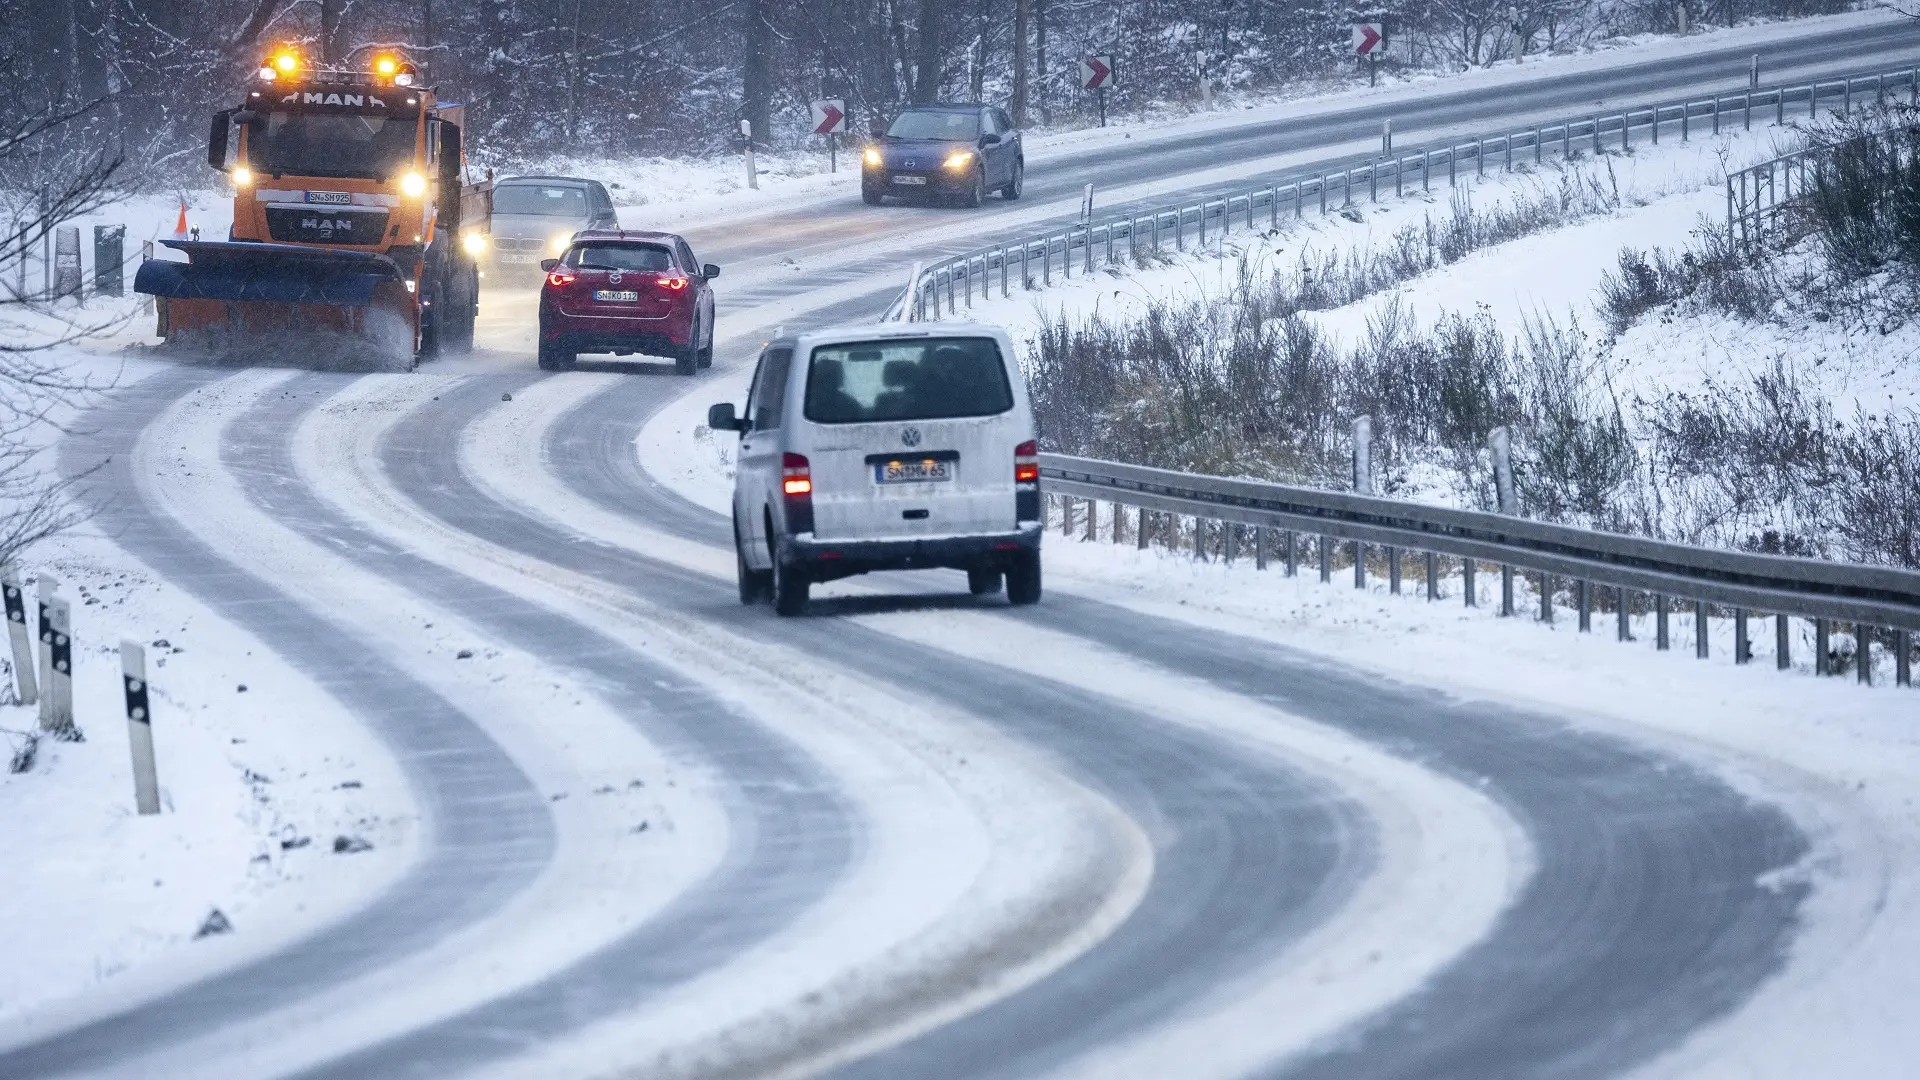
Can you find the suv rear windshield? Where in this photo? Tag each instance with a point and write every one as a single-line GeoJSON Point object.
{"type": "Point", "coordinates": [917, 379]}
{"type": "Point", "coordinates": [540, 200]}
{"type": "Point", "coordinates": [958, 126]}
{"type": "Point", "coordinates": [638, 257]}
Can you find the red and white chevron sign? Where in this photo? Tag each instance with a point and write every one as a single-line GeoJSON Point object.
{"type": "Point", "coordinates": [1096, 72]}
{"type": "Point", "coordinates": [830, 116]}
{"type": "Point", "coordinates": [1367, 38]}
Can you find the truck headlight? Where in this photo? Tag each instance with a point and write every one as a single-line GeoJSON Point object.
{"type": "Point", "coordinates": [413, 184]}
{"type": "Point", "coordinates": [242, 176]}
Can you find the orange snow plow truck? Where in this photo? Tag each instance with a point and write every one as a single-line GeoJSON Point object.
{"type": "Point", "coordinates": [355, 230]}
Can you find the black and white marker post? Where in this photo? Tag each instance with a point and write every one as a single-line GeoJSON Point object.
{"type": "Point", "coordinates": [133, 676]}
{"type": "Point", "coordinates": [47, 586]}
{"type": "Point", "coordinates": [26, 684]}
{"type": "Point", "coordinates": [60, 681]}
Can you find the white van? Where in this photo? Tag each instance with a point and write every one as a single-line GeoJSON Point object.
{"type": "Point", "coordinates": [893, 447]}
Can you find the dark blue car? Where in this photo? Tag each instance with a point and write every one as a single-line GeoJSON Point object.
{"type": "Point", "coordinates": [945, 152]}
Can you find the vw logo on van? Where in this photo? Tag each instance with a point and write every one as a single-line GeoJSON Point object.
{"type": "Point", "coordinates": [911, 436]}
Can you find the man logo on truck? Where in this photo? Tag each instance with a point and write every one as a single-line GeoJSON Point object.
{"type": "Point", "coordinates": [311, 97]}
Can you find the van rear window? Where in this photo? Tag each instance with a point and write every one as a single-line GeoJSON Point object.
{"type": "Point", "coordinates": [917, 379]}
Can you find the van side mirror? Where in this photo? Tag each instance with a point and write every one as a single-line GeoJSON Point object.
{"type": "Point", "coordinates": [547, 265]}
{"type": "Point", "coordinates": [709, 271]}
{"type": "Point", "coordinates": [721, 417]}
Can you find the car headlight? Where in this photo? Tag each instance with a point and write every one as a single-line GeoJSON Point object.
{"type": "Point", "coordinates": [960, 160]}
{"type": "Point", "coordinates": [872, 157]}
{"type": "Point", "coordinates": [559, 243]}
{"type": "Point", "coordinates": [474, 242]}
{"type": "Point", "coordinates": [413, 184]}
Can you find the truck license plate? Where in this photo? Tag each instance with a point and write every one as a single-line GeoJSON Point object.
{"type": "Point", "coordinates": [330, 198]}
{"type": "Point", "coordinates": [921, 180]}
{"type": "Point", "coordinates": [912, 471]}
{"type": "Point", "coordinates": [619, 295]}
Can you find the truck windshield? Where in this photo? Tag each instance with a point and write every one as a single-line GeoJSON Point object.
{"type": "Point", "coordinates": [915, 379]}
{"type": "Point", "coordinates": [955, 126]}
{"type": "Point", "coordinates": [322, 144]}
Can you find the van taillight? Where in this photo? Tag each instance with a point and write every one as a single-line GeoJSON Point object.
{"type": "Point", "coordinates": [795, 477]}
{"type": "Point", "coordinates": [1026, 481]}
{"type": "Point", "coordinates": [796, 488]}
{"type": "Point", "coordinates": [1026, 462]}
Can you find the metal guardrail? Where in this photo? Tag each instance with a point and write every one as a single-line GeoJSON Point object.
{"type": "Point", "coordinates": [1765, 196]}
{"type": "Point", "coordinates": [947, 284]}
{"type": "Point", "coordinates": [1879, 602]}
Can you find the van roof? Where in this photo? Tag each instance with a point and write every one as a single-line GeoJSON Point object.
{"type": "Point", "coordinates": [830, 335]}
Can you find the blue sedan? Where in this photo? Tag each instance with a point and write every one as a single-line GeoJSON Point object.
{"type": "Point", "coordinates": [945, 152]}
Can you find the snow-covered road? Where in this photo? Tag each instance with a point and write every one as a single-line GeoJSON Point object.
{"type": "Point", "coordinates": [917, 834]}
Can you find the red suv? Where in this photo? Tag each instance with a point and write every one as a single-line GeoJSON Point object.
{"type": "Point", "coordinates": [627, 292]}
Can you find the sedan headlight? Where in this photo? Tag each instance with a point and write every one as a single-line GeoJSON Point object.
{"type": "Point", "coordinates": [872, 157]}
{"type": "Point", "coordinates": [960, 160]}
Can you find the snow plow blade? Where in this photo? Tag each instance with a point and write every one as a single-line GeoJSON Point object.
{"type": "Point", "coordinates": [311, 306]}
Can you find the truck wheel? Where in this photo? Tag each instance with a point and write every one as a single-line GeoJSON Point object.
{"type": "Point", "coordinates": [1023, 579]}
{"type": "Point", "coordinates": [790, 586]}
{"type": "Point", "coordinates": [981, 582]}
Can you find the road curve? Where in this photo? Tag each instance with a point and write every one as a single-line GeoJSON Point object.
{"type": "Point", "coordinates": [487, 833]}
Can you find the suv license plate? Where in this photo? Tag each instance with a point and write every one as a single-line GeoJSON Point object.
{"type": "Point", "coordinates": [912, 472]}
{"type": "Point", "coordinates": [910, 180]}
{"type": "Point", "coordinates": [621, 295]}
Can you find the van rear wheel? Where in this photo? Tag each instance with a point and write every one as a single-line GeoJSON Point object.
{"type": "Point", "coordinates": [983, 582]}
{"type": "Point", "coordinates": [755, 585]}
{"type": "Point", "coordinates": [1023, 579]}
{"type": "Point", "coordinates": [790, 586]}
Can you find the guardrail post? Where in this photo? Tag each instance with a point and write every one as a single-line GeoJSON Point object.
{"type": "Point", "coordinates": [1780, 106]}
{"type": "Point", "coordinates": [1232, 544]}
{"type": "Point", "coordinates": [1742, 646]}
{"type": "Point", "coordinates": [1622, 615]}
{"type": "Point", "coordinates": [1046, 262]}
{"type": "Point", "coordinates": [1140, 534]}
{"type": "Point", "coordinates": [1359, 565]}
{"type": "Point", "coordinates": [1626, 131]}
{"type": "Point", "coordinates": [133, 680]}
{"type": "Point", "coordinates": [1203, 227]}
{"type": "Point", "coordinates": [1746, 112]}
{"type": "Point", "coordinates": [1863, 652]}
{"type": "Point", "coordinates": [1259, 547]}
{"type": "Point", "coordinates": [1656, 125]}
{"type": "Point", "coordinates": [1398, 190]}
{"type": "Point", "coordinates": [1846, 95]}
{"type": "Point", "coordinates": [1701, 640]}
{"type": "Point", "coordinates": [1507, 141]}
{"type": "Point", "coordinates": [1813, 101]}
{"type": "Point", "coordinates": [1470, 593]}
{"type": "Point", "coordinates": [1539, 135]}
{"type": "Point", "coordinates": [1716, 114]}
{"type": "Point", "coordinates": [1661, 639]}
{"type": "Point", "coordinates": [1326, 559]}
{"type": "Point", "coordinates": [1119, 519]}
{"type": "Point", "coordinates": [1566, 139]}
{"type": "Point", "coordinates": [1452, 160]}
{"type": "Point", "coordinates": [1426, 170]}
{"type": "Point", "coordinates": [1583, 596]}
{"type": "Point", "coordinates": [1686, 115]}
{"type": "Point", "coordinates": [1093, 519]}
{"type": "Point", "coordinates": [1433, 577]}
{"type": "Point", "coordinates": [1822, 629]}
{"type": "Point", "coordinates": [1782, 642]}
{"type": "Point", "coordinates": [1902, 656]}
{"type": "Point", "coordinates": [1293, 553]}
{"type": "Point", "coordinates": [1180, 229]}
{"type": "Point", "coordinates": [1005, 291]}
{"type": "Point", "coordinates": [1546, 597]}
{"type": "Point", "coordinates": [1506, 590]}
{"type": "Point", "coordinates": [1596, 135]}
{"type": "Point", "coordinates": [1393, 570]}
{"type": "Point", "coordinates": [1199, 538]}
{"type": "Point", "coordinates": [1479, 157]}
{"type": "Point", "coordinates": [1373, 183]}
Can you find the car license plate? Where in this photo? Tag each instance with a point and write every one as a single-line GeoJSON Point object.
{"type": "Point", "coordinates": [912, 471]}
{"type": "Point", "coordinates": [509, 257]}
{"type": "Point", "coordinates": [910, 180]}
{"type": "Point", "coordinates": [621, 295]}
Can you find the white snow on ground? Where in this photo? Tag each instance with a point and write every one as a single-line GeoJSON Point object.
{"type": "Point", "coordinates": [667, 192]}
{"type": "Point", "coordinates": [605, 877]}
{"type": "Point", "coordinates": [1449, 860]}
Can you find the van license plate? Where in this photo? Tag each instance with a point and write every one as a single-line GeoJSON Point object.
{"type": "Point", "coordinates": [912, 472]}
{"type": "Point", "coordinates": [921, 180]}
{"type": "Point", "coordinates": [621, 295]}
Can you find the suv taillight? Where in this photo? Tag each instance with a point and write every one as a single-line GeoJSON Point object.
{"type": "Point", "coordinates": [671, 284]}
{"type": "Point", "coordinates": [560, 279]}
{"type": "Point", "coordinates": [796, 488]}
{"type": "Point", "coordinates": [1026, 481]}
